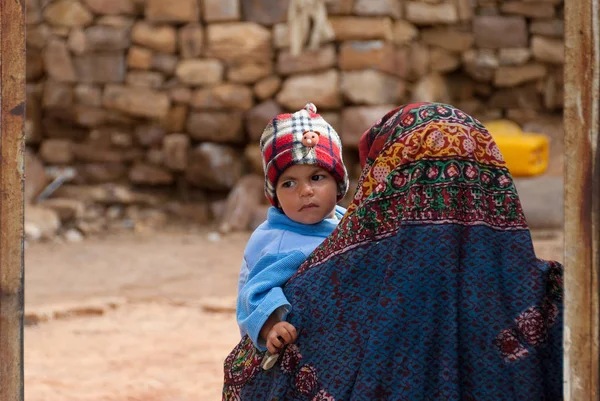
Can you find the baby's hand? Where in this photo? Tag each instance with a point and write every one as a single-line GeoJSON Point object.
{"type": "Point", "coordinates": [280, 334]}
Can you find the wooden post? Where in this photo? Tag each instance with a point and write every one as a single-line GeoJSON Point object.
{"type": "Point", "coordinates": [582, 200]}
{"type": "Point", "coordinates": [12, 115]}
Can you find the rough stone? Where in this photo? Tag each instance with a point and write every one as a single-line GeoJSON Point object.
{"type": "Point", "coordinates": [357, 28]}
{"type": "Point", "coordinates": [258, 118]}
{"type": "Point", "coordinates": [449, 39]}
{"type": "Point", "coordinates": [371, 87]}
{"type": "Point", "coordinates": [57, 95]}
{"type": "Point", "coordinates": [116, 21]}
{"type": "Point", "coordinates": [150, 135]}
{"type": "Point", "coordinates": [139, 102]}
{"type": "Point", "coordinates": [497, 32]}
{"type": "Point", "coordinates": [165, 63]}
{"type": "Point", "coordinates": [191, 39]}
{"type": "Point", "coordinates": [443, 60]}
{"type": "Point", "coordinates": [139, 58]}
{"type": "Point", "coordinates": [525, 96]}
{"type": "Point", "coordinates": [106, 38]}
{"type": "Point", "coordinates": [554, 28]}
{"type": "Point", "coordinates": [542, 201]}
{"type": "Point", "coordinates": [145, 174]}
{"type": "Point", "coordinates": [35, 179]}
{"type": "Point", "coordinates": [419, 57]}
{"type": "Point", "coordinates": [377, 8]}
{"type": "Point", "coordinates": [465, 9]}
{"type": "Point", "coordinates": [34, 65]}
{"type": "Point", "coordinates": [66, 209]}
{"type": "Point", "coordinates": [200, 72]}
{"type": "Point", "coordinates": [100, 67]}
{"type": "Point", "coordinates": [175, 149]}
{"type": "Point", "coordinates": [214, 167]}
{"type": "Point", "coordinates": [265, 12]}
{"type": "Point", "coordinates": [548, 50]}
{"type": "Point", "coordinates": [180, 94]}
{"type": "Point", "coordinates": [480, 64]}
{"type": "Point", "coordinates": [33, 119]}
{"type": "Point", "coordinates": [69, 13]}
{"type": "Point", "coordinates": [306, 61]}
{"type": "Point", "coordinates": [249, 72]}
{"type": "Point", "coordinates": [514, 56]}
{"type": "Point", "coordinates": [339, 7]}
{"type": "Point", "coordinates": [537, 9]}
{"type": "Point", "coordinates": [37, 36]}
{"type": "Point", "coordinates": [162, 38]}
{"type": "Point", "coordinates": [77, 41]}
{"type": "Point", "coordinates": [56, 151]}
{"type": "Point", "coordinates": [281, 36]}
{"type": "Point", "coordinates": [58, 62]}
{"type": "Point", "coordinates": [223, 96]}
{"type": "Point", "coordinates": [430, 14]}
{"type": "Point", "coordinates": [40, 223]}
{"type": "Point", "coordinates": [240, 41]}
{"type": "Point", "coordinates": [376, 54]}
{"type": "Point", "coordinates": [267, 87]}
{"type": "Point", "coordinates": [145, 79]}
{"type": "Point", "coordinates": [404, 32]}
{"type": "Point", "coordinates": [216, 126]}
{"type": "Point", "coordinates": [33, 12]}
{"type": "Point", "coordinates": [172, 10]}
{"type": "Point", "coordinates": [322, 89]}
{"type": "Point", "coordinates": [107, 194]}
{"type": "Point", "coordinates": [176, 118]}
{"type": "Point", "coordinates": [221, 10]}
{"type": "Point", "coordinates": [356, 120]}
{"type": "Point", "coordinates": [96, 173]}
{"type": "Point", "coordinates": [111, 7]}
{"type": "Point", "coordinates": [242, 200]}
{"type": "Point", "coordinates": [513, 76]}
{"type": "Point", "coordinates": [254, 158]}
{"type": "Point", "coordinates": [431, 88]}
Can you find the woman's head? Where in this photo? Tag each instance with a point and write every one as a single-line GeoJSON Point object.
{"type": "Point", "coordinates": [303, 138]}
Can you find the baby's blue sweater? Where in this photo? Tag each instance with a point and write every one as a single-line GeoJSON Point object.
{"type": "Point", "coordinates": [273, 254]}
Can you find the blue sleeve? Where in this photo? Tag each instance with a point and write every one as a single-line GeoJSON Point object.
{"type": "Point", "coordinates": [262, 293]}
{"type": "Point", "coordinates": [243, 278]}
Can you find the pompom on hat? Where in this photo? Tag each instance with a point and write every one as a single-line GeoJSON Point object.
{"type": "Point", "coordinates": [303, 137]}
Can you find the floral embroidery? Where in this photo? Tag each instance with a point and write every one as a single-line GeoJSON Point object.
{"type": "Point", "coordinates": [323, 396]}
{"type": "Point", "coordinates": [531, 326]}
{"type": "Point", "coordinates": [509, 345]}
{"type": "Point", "coordinates": [306, 379]}
{"type": "Point", "coordinates": [291, 358]}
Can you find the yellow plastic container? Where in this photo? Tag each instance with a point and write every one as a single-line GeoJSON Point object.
{"type": "Point", "coordinates": [525, 153]}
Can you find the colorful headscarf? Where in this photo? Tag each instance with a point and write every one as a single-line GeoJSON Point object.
{"type": "Point", "coordinates": [429, 289]}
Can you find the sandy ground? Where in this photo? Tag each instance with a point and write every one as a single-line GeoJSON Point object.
{"type": "Point", "coordinates": [139, 317]}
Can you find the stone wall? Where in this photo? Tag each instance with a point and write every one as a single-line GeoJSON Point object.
{"type": "Point", "coordinates": [173, 94]}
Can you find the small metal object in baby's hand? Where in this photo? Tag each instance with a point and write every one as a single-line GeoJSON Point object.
{"type": "Point", "coordinates": [269, 361]}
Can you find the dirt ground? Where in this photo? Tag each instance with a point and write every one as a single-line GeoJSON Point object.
{"type": "Point", "coordinates": [145, 317]}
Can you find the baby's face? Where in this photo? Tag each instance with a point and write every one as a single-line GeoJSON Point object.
{"type": "Point", "coordinates": [306, 193]}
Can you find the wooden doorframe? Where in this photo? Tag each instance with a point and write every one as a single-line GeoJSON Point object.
{"type": "Point", "coordinates": [12, 116]}
{"type": "Point", "coordinates": [582, 200]}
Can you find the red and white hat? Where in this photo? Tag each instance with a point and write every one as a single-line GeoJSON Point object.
{"type": "Point", "coordinates": [290, 139]}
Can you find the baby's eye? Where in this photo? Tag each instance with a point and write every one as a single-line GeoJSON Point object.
{"type": "Point", "coordinates": [318, 177]}
{"type": "Point", "coordinates": [287, 184]}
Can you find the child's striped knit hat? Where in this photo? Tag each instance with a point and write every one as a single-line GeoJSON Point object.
{"type": "Point", "coordinates": [282, 146]}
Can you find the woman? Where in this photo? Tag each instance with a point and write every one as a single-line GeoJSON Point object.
{"type": "Point", "coordinates": [429, 289]}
